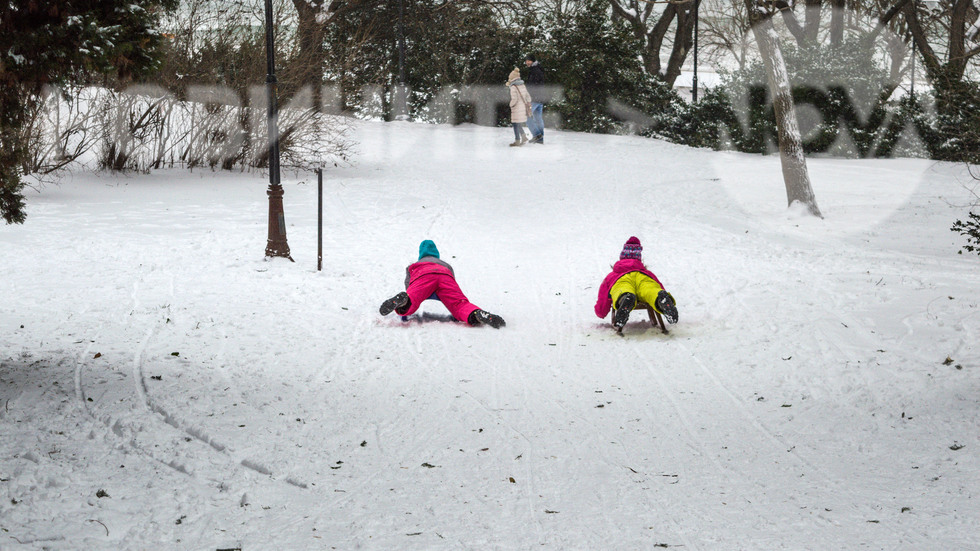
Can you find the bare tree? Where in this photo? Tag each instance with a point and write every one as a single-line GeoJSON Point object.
{"type": "Point", "coordinates": [795, 175]}
{"type": "Point", "coordinates": [946, 37]}
{"type": "Point", "coordinates": [723, 26]}
{"type": "Point", "coordinates": [651, 23]}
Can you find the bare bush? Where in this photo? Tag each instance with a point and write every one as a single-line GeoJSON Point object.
{"type": "Point", "coordinates": [144, 128]}
{"type": "Point", "coordinates": [59, 130]}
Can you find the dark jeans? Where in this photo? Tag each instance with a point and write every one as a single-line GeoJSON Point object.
{"type": "Point", "coordinates": [535, 123]}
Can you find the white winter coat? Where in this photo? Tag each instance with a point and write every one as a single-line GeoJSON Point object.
{"type": "Point", "coordinates": [520, 101]}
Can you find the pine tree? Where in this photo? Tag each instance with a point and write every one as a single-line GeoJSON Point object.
{"type": "Point", "coordinates": [63, 41]}
{"type": "Point", "coordinates": [593, 58]}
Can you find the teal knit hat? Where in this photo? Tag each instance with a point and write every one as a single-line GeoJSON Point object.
{"type": "Point", "coordinates": [428, 248]}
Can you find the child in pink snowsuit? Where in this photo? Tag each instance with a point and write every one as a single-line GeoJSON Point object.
{"type": "Point", "coordinates": [432, 277]}
{"type": "Point", "coordinates": [630, 282]}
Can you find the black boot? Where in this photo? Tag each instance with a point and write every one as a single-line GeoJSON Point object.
{"type": "Point", "coordinates": [399, 301]}
{"type": "Point", "coordinates": [666, 306]}
{"type": "Point", "coordinates": [482, 317]}
{"type": "Point", "coordinates": [625, 304]}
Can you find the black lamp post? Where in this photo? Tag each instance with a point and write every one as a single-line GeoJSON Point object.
{"type": "Point", "coordinates": [276, 245]}
{"type": "Point", "coordinates": [401, 93]}
{"type": "Point", "coordinates": [694, 82]}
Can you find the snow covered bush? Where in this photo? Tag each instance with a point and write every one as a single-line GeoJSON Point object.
{"type": "Point", "coordinates": [955, 128]}
{"type": "Point", "coordinates": [970, 228]}
{"type": "Point", "coordinates": [851, 115]}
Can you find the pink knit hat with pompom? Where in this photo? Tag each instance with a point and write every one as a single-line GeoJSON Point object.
{"type": "Point", "coordinates": [632, 249]}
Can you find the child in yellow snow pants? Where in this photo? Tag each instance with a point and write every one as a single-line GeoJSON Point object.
{"type": "Point", "coordinates": [643, 286]}
{"type": "Point", "coordinates": [631, 282]}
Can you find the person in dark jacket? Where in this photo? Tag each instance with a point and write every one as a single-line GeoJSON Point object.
{"type": "Point", "coordinates": [432, 277]}
{"type": "Point", "coordinates": [534, 81]}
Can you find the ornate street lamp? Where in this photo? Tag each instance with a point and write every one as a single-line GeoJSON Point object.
{"type": "Point", "coordinates": [276, 245]}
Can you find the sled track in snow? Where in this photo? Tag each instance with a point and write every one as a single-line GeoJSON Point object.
{"type": "Point", "coordinates": [826, 480]}
{"type": "Point", "coordinates": [662, 503]}
{"type": "Point", "coordinates": [193, 431]}
{"type": "Point", "coordinates": [402, 457]}
{"type": "Point", "coordinates": [117, 427]}
{"type": "Point", "coordinates": [528, 489]}
{"type": "Point", "coordinates": [120, 427]}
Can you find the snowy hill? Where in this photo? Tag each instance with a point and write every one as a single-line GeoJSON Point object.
{"type": "Point", "coordinates": [163, 386]}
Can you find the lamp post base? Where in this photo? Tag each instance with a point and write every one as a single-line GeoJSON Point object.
{"type": "Point", "coordinates": [276, 245]}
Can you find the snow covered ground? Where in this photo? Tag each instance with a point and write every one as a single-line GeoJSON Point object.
{"type": "Point", "coordinates": [162, 386]}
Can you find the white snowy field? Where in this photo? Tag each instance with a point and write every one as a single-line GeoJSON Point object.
{"type": "Point", "coordinates": [162, 386]}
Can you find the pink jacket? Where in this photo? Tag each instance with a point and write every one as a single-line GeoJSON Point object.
{"type": "Point", "coordinates": [621, 268]}
{"type": "Point", "coordinates": [419, 269]}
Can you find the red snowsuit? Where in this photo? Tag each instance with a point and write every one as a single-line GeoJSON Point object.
{"type": "Point", "coordinates": [427, 278]}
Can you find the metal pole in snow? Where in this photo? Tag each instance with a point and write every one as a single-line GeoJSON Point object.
{"type": "Point", "coordinates": [913, 71]}
{"type": "Point", "coordinates": [401, 42]}
{"type": "Point", "coordinates": [694, 83]}
{"type": "Point", "coordinates": [401, 94]}
{"type": "Point", "coordinates": [319, 219]}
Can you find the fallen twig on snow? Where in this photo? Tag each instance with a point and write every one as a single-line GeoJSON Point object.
{"type": "Point", "coordinates": [100, 522]}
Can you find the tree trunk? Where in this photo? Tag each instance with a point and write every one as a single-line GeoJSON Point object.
{"type": "Point", "coordinates": [655, 40]}
{"type": "Point", "coordinates": [885, 20]}
{"type": "Point", "coordinates": [958, 58]}
{"type": "Point", "coordinates": [795, 175]}
{"type": "Point", "coordinates": [934, 67]}
{"type": "Point", "coordinates": [310, 34]}
{"type": "Point", "coordinates": [837, 23]}
{"type": "Point", "coordinates": [653, 37]}
{"type": "Point", "coordinates": [683, 40]}
{"type": "Point", "coordinates": [811, 21]}
{"type": "Point", "coordinates": [792, 24]}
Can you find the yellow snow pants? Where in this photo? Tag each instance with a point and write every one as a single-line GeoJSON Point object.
{"type": "Point", "coordinates": [643, 286]}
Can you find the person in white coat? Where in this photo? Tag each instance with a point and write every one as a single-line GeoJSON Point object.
{"type": "Point", "coordinates": [520, 106]}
